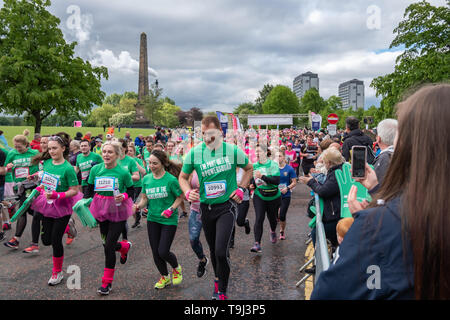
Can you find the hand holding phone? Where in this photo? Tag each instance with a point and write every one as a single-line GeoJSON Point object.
{"type": "Point", "coordinates": [359, 159]}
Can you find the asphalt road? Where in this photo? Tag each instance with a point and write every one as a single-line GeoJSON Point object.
{"type": "Point", "coordinates": [271, 275]}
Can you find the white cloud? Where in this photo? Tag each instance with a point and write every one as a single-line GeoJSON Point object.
{"type": "Point", "coordinates": [124, 63]}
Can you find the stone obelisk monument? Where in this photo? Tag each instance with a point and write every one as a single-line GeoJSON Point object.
{"type": "Point", "coordinates": [143, 82]}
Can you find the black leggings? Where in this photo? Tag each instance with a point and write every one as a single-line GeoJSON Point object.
{"type": "Point", "coordinates": [137, 192]}
{"type": "Point", "coordinates": [218, 224]}
{"type": "Point", "coordinates": [161, 237]}
{"type": "Point", "coordinates": [36, 227]}
{"type": "Point", "coordinates": [110, 233]}
{"type": "Point", "coordinates": [285, 202]}
{"type": "Point", "coordinates": [261, 207]}
{"type": "Point", "coordinates": [53, 232]}
{"type": "Point", "coordinates": [125, 228]}
{"type": "Point", "coordinates": [242, 213]}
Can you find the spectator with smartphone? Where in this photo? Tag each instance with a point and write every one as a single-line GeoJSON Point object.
{"type": "Point", "coordinates": [399, 247]}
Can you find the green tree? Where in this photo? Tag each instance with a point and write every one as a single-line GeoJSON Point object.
{"type": "Point", "coordinates": [101, 115]}
{"type": "Point", "coordinates": [263, 94]}
{"type": "Point", "coordinates": [312, 101]}
{"type": "Point", "coordinates": [334, 103]}
{"type": "Point", "coordinates": [127, 105]}
{"type": "Point", "coordinates": [39, 74]}
{"type": "Point", "coordinates": [166, 116]}
{"type": "Point", "coordinates": [122, 118]}
{"type": "Point", "coordinates": [281, 100]}
{"type": "Point", "coordinates": [113, 99]}
{"type": "Point", "coordinates": [244, 108]}
{"type": "Point", "coordinates": [153, 103]}
{"type": "Point", "coordinates": [425, 34]}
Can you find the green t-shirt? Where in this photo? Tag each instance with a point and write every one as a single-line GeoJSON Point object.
{"type": "Point", "coordinates": [22, 164]}
{"type": "Point", "coordinates": [85, 165]}
{"type": "Point", "coordinates": [269, 169]}
{"type": "Point", "coordinates": [216, 170]}
{"type": "Point", "coordinates": [161, 194]}
{"type": "Point", "coordinates": [8, 176]}
{"type": "Point", "coordinates": [128, 164]}
{"type": "Point", "coordinates": [61, 176]}
{"type": "Point", "coordinates": [105, 180]}
{"type": "Point", "coordinates": [146, 156]}
{"type": "Point", "coordinates": [138, 184]}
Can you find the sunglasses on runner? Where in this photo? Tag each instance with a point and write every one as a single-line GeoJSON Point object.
{"type": "Point", "coordinates": [56, 138]}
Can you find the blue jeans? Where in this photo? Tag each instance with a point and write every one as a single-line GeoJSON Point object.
{"type": "Point", "coordinates": [195, 227]}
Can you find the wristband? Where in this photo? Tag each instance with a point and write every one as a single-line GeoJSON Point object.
{"type": "Point", "coordinates": [125, 196]}
{"type": "Point", "coordinates": [57, 195]}
{"type": "Point", "coordinates": [39, 189]}
{"type": "Point", "coordinates": [167, 213]}
{"type": "Point", "coordinates": [240, 193]}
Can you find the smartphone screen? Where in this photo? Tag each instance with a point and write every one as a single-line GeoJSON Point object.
{"type": "Point", "coordinates": [359, 161]}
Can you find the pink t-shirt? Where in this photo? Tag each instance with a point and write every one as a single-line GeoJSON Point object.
{"type": "Point", "coordinates": [290, 156]}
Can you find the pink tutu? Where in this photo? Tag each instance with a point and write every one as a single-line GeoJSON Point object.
{"type": "Point", "coordinates": [104, 208]}
{"type": "Point", "coordinates": [58, 209]}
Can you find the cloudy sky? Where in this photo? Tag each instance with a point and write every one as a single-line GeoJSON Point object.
{"type": "Point", "coordinates": [217, 54]}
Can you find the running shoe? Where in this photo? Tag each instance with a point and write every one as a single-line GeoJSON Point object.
{"type": "Point", "coordinates": [72, 230]}
{"type": "Point", "coordinates": [215, 295]}
{"type": "Point", "coordinates": [69, 239]}
{"type": "Point", "coordinates": [256, 248]}
{"type": "Point", "coordinates": [163, 282]}
{"type": "Point", "coordinates": [247, 226]}
{"type": "Point", "coordinates": [31, 249]}
{"type": "Point", "coordinates": [201, 269]}
{"type": "Point", "coordinates": [282, 236]}
{"type": "Point", "coordinates": [124, 252]}
{"type": "Point", "coordinates": [177, 275]}
{"type": "Point", "coordinates": [137, 224]}
{"type": "Point", "coordinates": [2, 236]}
{"type": "Point", "coordinates": [223, 296]}
{"type": "Point", "coordinates": [13, 244]}
{"type": "Point", "coordinates": [273, 237]}
{"type": "Point", "coordinates": [55, 279]}
{"type": "Point", "coordinates": [6, 226]}
{"type": "Point", "coordinates": [311, 270]}
{"type": "Point", "coordinates": [105, 289]}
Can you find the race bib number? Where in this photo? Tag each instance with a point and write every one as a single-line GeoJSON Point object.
{"type": "Point", "coordinates": [22, 172]}
{"type": "Point", "coordinates": [49, 181]}
{"type": "Point", "coordinates": [282, 186]}
{"type": "Point", "coordinates": [215, 189]}
{"type": "Point", "coordinates": [289, 158]}
{"type": "Point", "coordinates": [104, 184]}
{"type": "Point", "coordinates": [309, 156]}
{"type": "Point", "coordinates": [84, 175]}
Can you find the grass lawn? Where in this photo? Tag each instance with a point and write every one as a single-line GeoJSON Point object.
{"type": "Point", "coordinates": [11, 131]}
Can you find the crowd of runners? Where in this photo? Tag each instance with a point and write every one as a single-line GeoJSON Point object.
{"type": "Point", "coordinates": [216, 176]}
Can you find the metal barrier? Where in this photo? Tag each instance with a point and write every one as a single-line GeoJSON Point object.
{"type": "Point", "coordinates": [321, 250]}
{"type": "Point", "coordinates": [321, 255]}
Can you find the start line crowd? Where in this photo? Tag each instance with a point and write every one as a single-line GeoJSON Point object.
{"type": "Point", "coordinates": [401, 231]}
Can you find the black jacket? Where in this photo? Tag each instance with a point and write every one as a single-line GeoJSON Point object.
{"type": "Point", "coordinates": [372, 248]}
{"type": "Point", "coordinates": [355, 138]}
{"type": "Point", "coordinates": [329, 192]}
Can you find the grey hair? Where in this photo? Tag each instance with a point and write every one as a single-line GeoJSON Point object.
{"type": "Point", "coordinates": [387, 130]}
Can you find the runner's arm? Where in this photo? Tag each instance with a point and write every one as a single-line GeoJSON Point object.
{"type": "Point", "coordinates": [135, 176]}
{"type": "Point", "coordinates": [141, 169]}
{"type": "Point", "coordinates": [183, 180]}
{"type": "Point", "coordinates": [246, 176]}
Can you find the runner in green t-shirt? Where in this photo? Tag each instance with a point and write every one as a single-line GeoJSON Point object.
{"type": "Point", "coordinates": [137, 184]}
{"type": "Point", "coordinates": [215, 163]}
{"type": "Point", "coordinates": [58, 194]}
{"type": "Point", "coordinates": [267, 196]}
{"type": "Point", "coordinates": [162, 196]}
{"type": "Point", "coordinates": [175, 156]}
{"type": "Point", "coordinates": [146, 152]}
{"type": "Point", "coordinates": [85, 161]}
{"type": "Point", "coordinates": [18, 163]}
{"type": "Point", "coordinates": [110, 185]}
